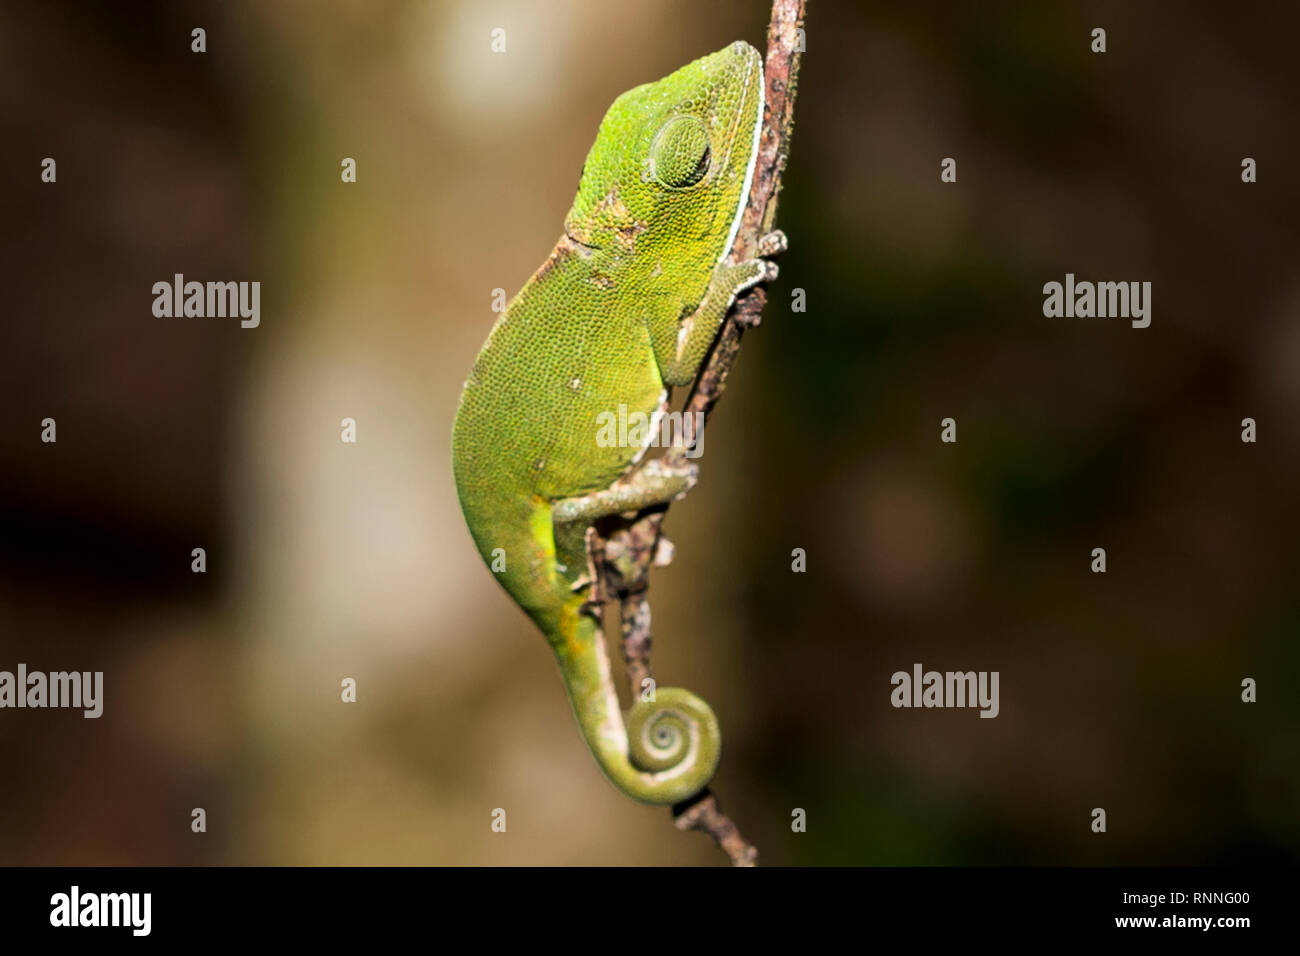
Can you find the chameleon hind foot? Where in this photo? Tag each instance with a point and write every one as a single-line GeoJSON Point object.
{"type": "Point", "coordinates": [652, 484]}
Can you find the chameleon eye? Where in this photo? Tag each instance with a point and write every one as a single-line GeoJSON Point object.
{"type": "Point", "coordinates": [680, 153]}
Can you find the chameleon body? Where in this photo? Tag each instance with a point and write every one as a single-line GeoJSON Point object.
{"type": "Point", "coordinates": [626, 306]}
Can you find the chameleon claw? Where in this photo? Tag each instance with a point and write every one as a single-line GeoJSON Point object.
{"type": "Point", "coordinates": [773, 244]}
{"type": "Point", "coordinates": [689, 473]}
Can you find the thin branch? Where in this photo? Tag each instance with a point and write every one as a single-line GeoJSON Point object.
{"type": "Point", "coordinates": [629, 550]}
{"type": "Point", "coordinates": [702, 812]}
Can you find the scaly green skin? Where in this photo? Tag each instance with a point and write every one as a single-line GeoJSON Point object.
{"type": "Point", "coordinates": [627, 305]}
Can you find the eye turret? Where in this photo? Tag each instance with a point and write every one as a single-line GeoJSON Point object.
{"type": "Point", "coordinates": [680, 154]}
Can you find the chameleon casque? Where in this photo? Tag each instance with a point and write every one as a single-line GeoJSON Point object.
{"type": "Point", "coordinates": [626, 306]}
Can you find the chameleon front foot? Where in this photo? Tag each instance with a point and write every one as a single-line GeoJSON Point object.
{"type": "Point", "coordinates": [759, 271]}
{"type": "Point", "coordinates": [773, 244]}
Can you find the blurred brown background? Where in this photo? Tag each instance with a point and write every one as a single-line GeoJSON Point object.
{"type": "Point", "coordinates": [329, 560]}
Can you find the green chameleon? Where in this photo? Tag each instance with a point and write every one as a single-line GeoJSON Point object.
{"type": "Point", "coordinates": [626, 306]}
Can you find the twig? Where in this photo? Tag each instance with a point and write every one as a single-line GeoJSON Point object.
{"type": "Point", "coordinates": [634, 613]}
{"type": "Point", "coordinates": [632, 547]}
{"type": "Point", "coordinates": [703, 813]}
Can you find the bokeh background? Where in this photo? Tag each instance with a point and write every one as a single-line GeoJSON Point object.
{"type": "Point", "coordinates": [328, 560]}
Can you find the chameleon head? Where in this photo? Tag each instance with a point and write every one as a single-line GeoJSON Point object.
{"type": "Point", "coordinates": [669, 173]}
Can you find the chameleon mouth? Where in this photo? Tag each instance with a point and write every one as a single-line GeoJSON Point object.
{"type": "Point", "coordinates": [754, 74]}
{"type": "Point", "coordinates": [751, 65]}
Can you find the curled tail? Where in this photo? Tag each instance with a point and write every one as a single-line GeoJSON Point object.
{"type": "Point", "coordinates": [667, 749]}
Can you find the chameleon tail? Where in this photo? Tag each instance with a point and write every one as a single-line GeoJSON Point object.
{"type": "Point", "coordinates": [667, 750]}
